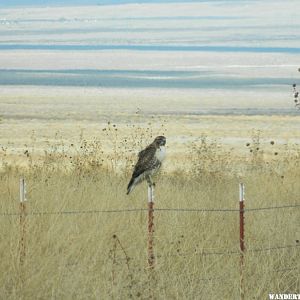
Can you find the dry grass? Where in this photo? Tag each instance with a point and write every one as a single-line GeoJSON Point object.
{"type": "Point", "coordinates": [104, 255]}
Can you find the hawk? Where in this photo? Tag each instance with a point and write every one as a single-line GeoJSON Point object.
{"type": "Point", "coordinates": [149, 162]}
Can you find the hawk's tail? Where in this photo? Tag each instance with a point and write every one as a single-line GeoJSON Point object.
{"type": "Point", "coordinates": [131, 185]}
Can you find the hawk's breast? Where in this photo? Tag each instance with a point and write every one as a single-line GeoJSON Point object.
{"type": "Point", "coordinates": [161, 153]}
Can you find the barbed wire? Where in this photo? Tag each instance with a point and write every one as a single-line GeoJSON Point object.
{"type": "Point", "coordinates": [272, 207]}
{"type": "Point", "coordinates": [230, 252]}
{"type": "Point", "coordinates": [95, 211]}
{"type": "Point", "coordinates": [273, 248]}
{"type": "Point", "coordinates": [227, 279]}
{"type": "Point", "coordinates": [74, 212]}
{"type": "Point", "coordinates": [197, 209]}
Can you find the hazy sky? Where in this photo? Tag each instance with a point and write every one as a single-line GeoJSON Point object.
{"type": "Point", "coordinates": [73, 2]}
{"type": "Point", "coordinates": [93, 2]}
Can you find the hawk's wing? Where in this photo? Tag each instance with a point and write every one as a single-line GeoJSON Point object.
{"type": "Point", "coordinates": [145, 162]}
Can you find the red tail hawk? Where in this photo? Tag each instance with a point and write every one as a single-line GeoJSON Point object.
{"type": "Point", "coordinates": [149, 162]}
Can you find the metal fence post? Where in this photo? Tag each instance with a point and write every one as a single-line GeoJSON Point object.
{"type": "Point", "coordinates": [23, 199]}
{"type": "Point", "coordinates": [242, 239]}
{"type": "Point", "coordinates": [151, 257]}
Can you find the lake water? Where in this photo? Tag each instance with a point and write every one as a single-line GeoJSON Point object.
{"type": "Point", "coordinates": [222, 45]}
{"type": "Point", "coordinates": [139, 79]}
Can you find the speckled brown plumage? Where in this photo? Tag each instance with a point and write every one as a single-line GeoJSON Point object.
{"type": "Point", "coordinates": [149, 162]}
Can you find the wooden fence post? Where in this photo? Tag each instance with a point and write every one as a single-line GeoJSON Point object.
{"type": "Point", "coordinates": [242, 239]}
{"type": "Point", "coordinates": [151, 257]}
{"type": "Point", "coordinates": [22, 245]}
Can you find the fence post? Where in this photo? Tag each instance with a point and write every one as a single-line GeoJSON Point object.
{"type": "Point", "coordinates": [22, 245]}
{"type": "Point", "coordinates": [151, 257]}
{"type": "Point", "coordinates": [242, 239]}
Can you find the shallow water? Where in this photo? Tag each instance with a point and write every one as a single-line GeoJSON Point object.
{"type": "Point", "coordinates": [139, 79]}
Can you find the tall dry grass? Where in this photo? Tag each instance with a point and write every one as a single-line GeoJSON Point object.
{"type": "Point", "coordinates": [104, 255]}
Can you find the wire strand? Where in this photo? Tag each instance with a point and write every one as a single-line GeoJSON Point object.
{"type": "Point", "coordinates": [74, 212]}
{"type": "Point", "coordinates": [231, 252]}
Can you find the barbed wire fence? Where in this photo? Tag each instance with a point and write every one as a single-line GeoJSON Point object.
{"type": "Point", "coordinates": [23, 214]}
{"type": "Point", "coordinates": [128, 210]}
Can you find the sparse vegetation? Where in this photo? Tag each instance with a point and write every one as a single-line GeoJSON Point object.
{"type": "Point", "coordinates": [104, 255]}
{"type": "Point", "coordinates": [296, 95]}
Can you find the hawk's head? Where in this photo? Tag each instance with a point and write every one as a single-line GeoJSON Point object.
{"type": "Point", "coordinates": [160, 141]}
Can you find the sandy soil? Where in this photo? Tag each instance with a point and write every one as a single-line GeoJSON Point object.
{"type": "Point", "coordinates": [36, 117]}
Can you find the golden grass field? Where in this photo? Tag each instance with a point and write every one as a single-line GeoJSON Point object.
{"type": "Point", "coordinates": [82, 165]}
